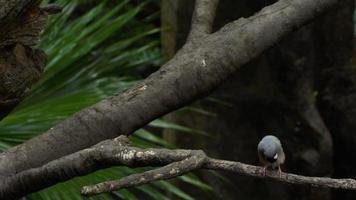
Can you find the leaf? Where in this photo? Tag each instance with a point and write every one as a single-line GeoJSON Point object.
{"type": "Point", "coordinates": [195, 181]}
{"type": "Point", "coordinates": [168, 125]}
{"type": "Point", "coordinates": [150, 137]}
{"type": "Point", "coordinates": [171, 188]}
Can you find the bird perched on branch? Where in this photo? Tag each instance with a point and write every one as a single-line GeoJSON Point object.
{"type": "Point", "coordinates": [270, 153]}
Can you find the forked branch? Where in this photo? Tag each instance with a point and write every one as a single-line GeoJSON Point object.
{"type": "Point", "coordinates": [198, 160]}
{"type": "Point", "coordinates": [118, 152]}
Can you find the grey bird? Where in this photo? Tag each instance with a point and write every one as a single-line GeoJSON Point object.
{"type": "Point", "coordinates": [270, 153]}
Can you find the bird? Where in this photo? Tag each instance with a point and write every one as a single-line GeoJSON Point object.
{"type": "Point", "coordinates": [270, 153]}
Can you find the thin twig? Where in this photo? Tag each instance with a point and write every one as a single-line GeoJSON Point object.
{"type": "Point", "coordinates": [167, 172]}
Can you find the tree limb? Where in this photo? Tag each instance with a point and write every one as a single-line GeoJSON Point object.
{"type": "Point", "coordinates": [195, 69]}
{"type": "Point", "coordinates": [118, 152]}
{"type": "Point", "coordinates": [195, 161]}
{"type": "Point", "coordinates": [108, 153]}
{"type": "Point", "coordinates": [203, 18]}
{"type": "Point", "coordinates": [200, 161]}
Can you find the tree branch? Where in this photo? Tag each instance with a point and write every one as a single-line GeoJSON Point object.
{"type": "Point", "coordinates": [195, 69]}
{"type": "Point", "coordinates": [108, 153]}
{"type": "Point", "coordinates": [200, 161]}
{"type": "Point", "coordinates": [195, 161]}
{"type": "Point", "coordinates": [117, 152]}
{"type": "Point", "coordinates": [203, 18]}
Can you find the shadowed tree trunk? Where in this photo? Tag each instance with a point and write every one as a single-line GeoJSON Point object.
{"type": "Point", "coordinates": [277, 93]}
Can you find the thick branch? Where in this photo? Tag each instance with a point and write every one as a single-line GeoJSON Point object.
{"type": "Point", "coordinates": [192, 73]}
{"type": "Point", "coordinates": [105, 154]}
{"type": "Point", "coordinates": [203, 18]}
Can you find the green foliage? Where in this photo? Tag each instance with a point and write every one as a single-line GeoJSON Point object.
{"type": "Point", "coordinates": [91, 56]}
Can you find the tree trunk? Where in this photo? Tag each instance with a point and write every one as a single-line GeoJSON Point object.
{"type": "Point", "coordinates": [21, 65]}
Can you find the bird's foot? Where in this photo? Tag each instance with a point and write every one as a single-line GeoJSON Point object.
{"type": "Point", "coordinates": [279, 171]}
{"type": "Point", "coordinates": [264, 171]}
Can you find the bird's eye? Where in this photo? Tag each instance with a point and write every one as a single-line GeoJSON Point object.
{"type": "Point", "coordinates": [275, 156]}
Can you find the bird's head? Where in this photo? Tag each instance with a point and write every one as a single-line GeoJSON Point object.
{"type": "Point", "coordinates": [271, 158]}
